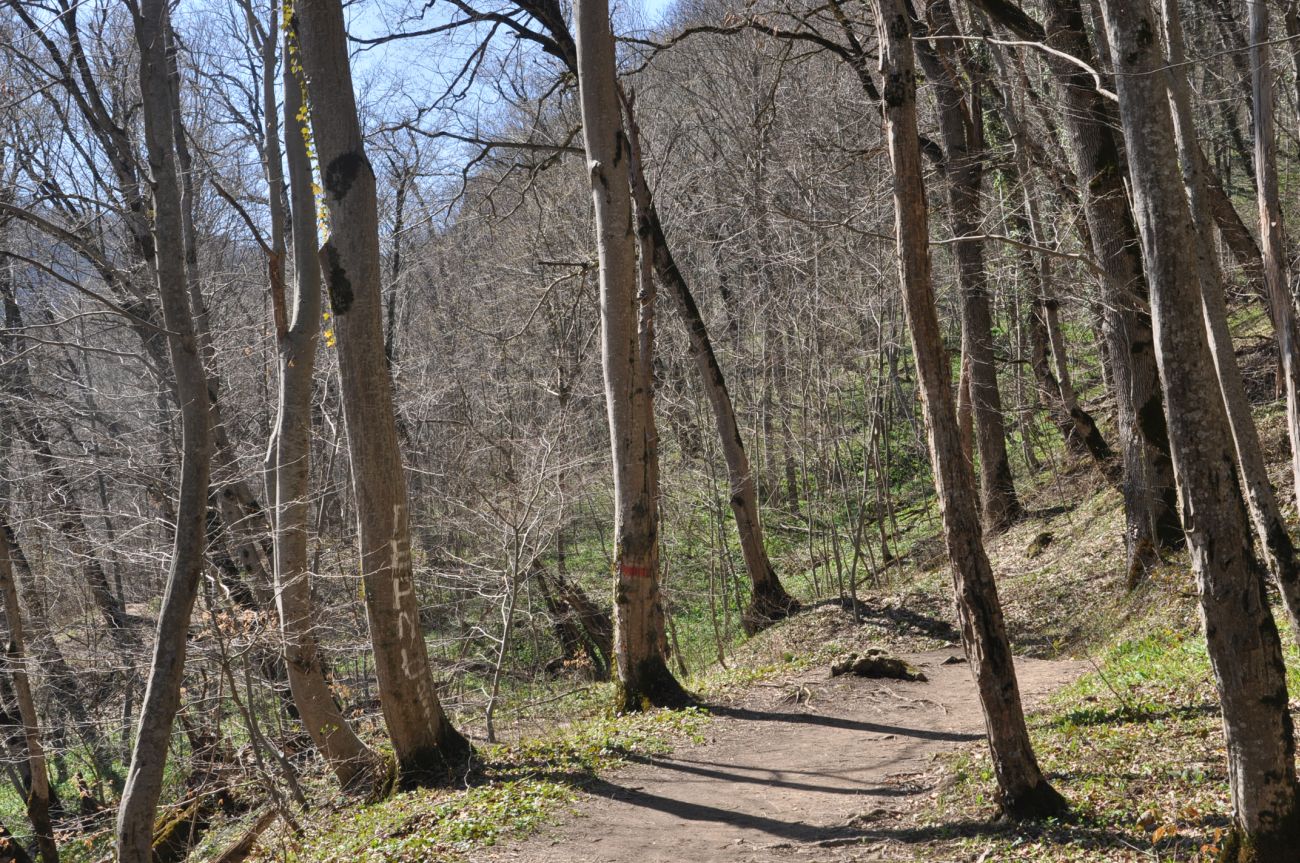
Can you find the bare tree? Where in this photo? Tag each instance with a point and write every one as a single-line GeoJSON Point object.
{"type": "Point", "coordinates": [289, 452]}
{"type": "Point", "coordinates": [1023, 791]}
{"type": "Point", "coordinates": [961, 123]}
{"type": "Point", "coordinates": [640, 644]}
{"type": "Point", "coordinates": [162, 695]}
{"type": "Point", "coordinates": [1244, 647]}
{"type": "Point", "coordinates": [428, 748]}
{"type": "Point", "coordinates": [1272, 237]}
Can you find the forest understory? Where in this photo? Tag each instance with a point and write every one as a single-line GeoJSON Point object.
{"type": "Point", "coordinates": [1123, 716]}
{"type": "Point", "coordinates": [586, 431]}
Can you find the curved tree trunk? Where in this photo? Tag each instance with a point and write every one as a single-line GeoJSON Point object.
{"type": "Point", "coordinates": [428, 748]}
{"type": "Point", "coordinates": [639, 639]}
{"type": "Point", "coordinates": [1023, 792]}
{"type": "Point", "coordinates": [162, 695]}
{"type": "Point", "coordinates": [1244, 648]}
{"type": "Point", "coordinates": [289, 453]}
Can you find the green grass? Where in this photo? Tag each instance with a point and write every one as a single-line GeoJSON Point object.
{"type": "Point", "coordinates": [519, 788]}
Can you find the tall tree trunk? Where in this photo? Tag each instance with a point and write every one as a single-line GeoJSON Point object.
{"type": "Point", "coordinates": [1149, 491]}
{"type": "Point", "coordinates": [234, 501]}
{"type": "Point", "coordinates": [1244, 648]}
{"type": "Point", "coordinates": [38, 792]}
{"type": "Point", "coordinates": [768, 601]}
{"type": "Point", "coordinates": [1150, 499]}
{"type": "Point", "coordinates": [1272, 239]}
{"type": "Point", "coordinates": [639, 639]}
{"type": "Point", "coordinates": [1022, 790]}
{"type": "Point", "coordinates": [162, 695]}
{"type": "Point", "coordinates": [289, 453]}
{"type": "Point", "coordinates": [427, 747]}
{"type": "Point", "coordinates": [1274, 541]}
{"type": "Point", "coordinates": [961, 126]}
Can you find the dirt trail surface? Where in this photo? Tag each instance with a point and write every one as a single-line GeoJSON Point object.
{"type": "Point", "coordinates": [794, 770]}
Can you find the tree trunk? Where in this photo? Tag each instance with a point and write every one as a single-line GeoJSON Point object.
{"type": "Point", "coordinates": [289, 454]}
{"type": "Point", "coordinates": [162, 695]}
{"type": "Point", "coordinates": [235, 503]}
{"type": "Point", "coordinates": [1274, 542]}
{"type": "Point", "coordinates": [768, 600]}
{"type": "Point", "coordinates": [428, 749]}
{"type": "Point", "coordinates": [1077, 426]}
{"type": "Point", "coordinates": [38, 792]}
{"type": "Point", "coordinates": [961, 126]}
{"type": "Point", "coordinates": [1244, 647]}
{"type": "Point", "coordinates": [1149, 493]}
{"type": "Point", "coordinates": [639, 639]}
{"type": "Point", "coordinates": [1150, 500]}
{"type": "Point", "coordinates": [1023, 792]}
{"type": "Point", "coordinates": [965, 411]}
{"type": "Point", "coordinates": [58, 675]}
{"type": "Point", "coordinates": [1272, 239]}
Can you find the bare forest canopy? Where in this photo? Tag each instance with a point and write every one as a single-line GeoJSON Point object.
{"type": "Point", "coordinates": [368, 371]}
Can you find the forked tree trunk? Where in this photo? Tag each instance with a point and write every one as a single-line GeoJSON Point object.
{"type": "Point", "coordinates": [768, 600]}
{"type": "Point", "coordinates": [1274, 541]}
{"type": "Point", "coordinates": [1272, 238]}
{"type": "Point", "coordinates": [289, 461]}
{"type": "Point", "coordinates": [639, 639]}
{"type": "Point", "coordinates": [961, 126]}
{"type": "Point", "coordinates": [162, 695]}
{"type": "Point", "coordinates": [1022, 790]}
{"type": "Point", "coordinates": [38, 792]}
{"type": "Point", "coordinates": [1245, 651]}
{"type": "Point", "coordinates": [428, 748]}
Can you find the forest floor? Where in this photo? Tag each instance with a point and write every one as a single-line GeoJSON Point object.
{"type": "Point", "coordinates": [785, 763]}
{"type": "Point", "coordinates": [797, 768]}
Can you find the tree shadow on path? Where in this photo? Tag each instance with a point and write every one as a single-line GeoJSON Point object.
{"type": "Point", "coordinates": [743, 713]}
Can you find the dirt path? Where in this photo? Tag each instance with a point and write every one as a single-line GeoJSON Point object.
{"type": "Point", "coordinates": [780, 780]}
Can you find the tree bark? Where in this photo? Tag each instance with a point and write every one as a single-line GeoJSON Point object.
{"type": "Point", "coordinates": [1244, 648]}
{"type": "Point", "coordinates": [640, 646]}
{"type": "Point", "coordinates": [428, 748]}
{"type": "Point", "coordinates": [38, 792]}
{"type": "Point", "coordinates": [162, 695]}
{"type": "Point", "coordinates": [768, 601]}
{"type": "Point", "coordinates": [289, 454]}
{"type": "Point", "coordinates": [1272, 238]}
{"type": "Point", "coordinates": [961, 127]}
{"type": "Point", "coordinates": [1274, 541]}
{"type": "Point", "coordinates": [1150, 499]}
{"type": "Point", "coordinates": [1022, 790]}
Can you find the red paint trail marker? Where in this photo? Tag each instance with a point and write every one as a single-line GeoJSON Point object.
{"type": "Point", "coordinates": [633, 571]}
